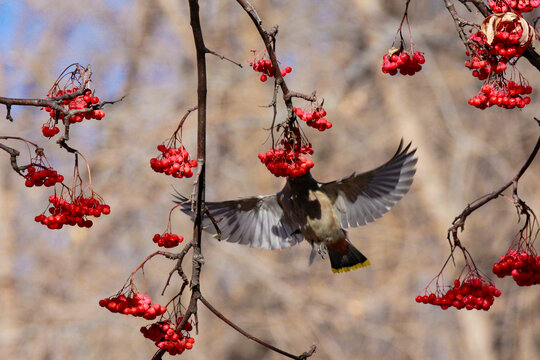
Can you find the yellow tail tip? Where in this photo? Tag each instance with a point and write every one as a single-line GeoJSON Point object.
{"type": "Point", "coordinates": [349, 268]}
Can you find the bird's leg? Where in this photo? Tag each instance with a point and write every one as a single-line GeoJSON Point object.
{"type": "Point", "coordinates": [322, 249]}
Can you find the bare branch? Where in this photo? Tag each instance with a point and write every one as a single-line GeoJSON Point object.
{"type": "Point", "coordinates": [459, 221]}
{"type": "Point", "coordinates": [223, 57]}
{"type": "Point", "coordinates": [198, 259]}
{"type": "Point", "coordinates": [305, 355]}
{"type": "Point", "coordinates": [13, 155]}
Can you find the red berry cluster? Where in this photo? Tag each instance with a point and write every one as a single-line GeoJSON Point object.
{"type": "Point", "coordinates": [168, 240]}
{"type": "Point", "coordinates": [165, 337]}
{"type": "Point", "coordinates": [49, 129]}
{"type": "Point", "coordinates": [506, 41]}
{"type": "Point", "coordinates": [402, 61]}
{"type": "Point", "coordinates": [72, 213]}
{"type": "Point", "coordinates": [265, 67]}
{"type": "Point", "coordinates": [86, 101]}
{"type": "Point", "coordinates": [287, 161]}
{"type": "Point", "coordinates": [488, 62]}
{"type": "Point", "coordinates": [483, 63]}
{"type": "Point", "coordinates": [137, 305]}
{"type": "Point", "coordinates": [474, 293]}
{"type": "Point", "coordinates": [520, 6]}
{"type": "Point", "coordinates": [523, 266]}
{"type": "Point", "coordinates": [173, 161]}
{"type": "Point", "coordinates": [505, 95]}
{"type": "Point", "coordinates": [46, 177]}
{"type": "Point", "coordinates": [157, 331]}
{"type": "Point", "coordinates": [315, 119]}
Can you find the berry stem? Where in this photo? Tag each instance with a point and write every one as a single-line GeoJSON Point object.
{"type": "Point", "coordinates": [166, 254]}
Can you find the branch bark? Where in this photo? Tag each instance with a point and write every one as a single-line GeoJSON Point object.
{"type": "Point", "coordinates": [198, 259]}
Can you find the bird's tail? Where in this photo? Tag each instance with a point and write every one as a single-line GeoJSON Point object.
{"type": "Point", "coordinates": [346, 257]}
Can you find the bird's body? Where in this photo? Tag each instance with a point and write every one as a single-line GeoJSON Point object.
{"type": "Point", "coordinates": [317, 212]}
{"type": "Point", "coordinates": [305, 204]}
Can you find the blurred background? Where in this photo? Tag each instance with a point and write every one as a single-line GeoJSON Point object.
{"type": "Point", "coordinates": [51, 281]}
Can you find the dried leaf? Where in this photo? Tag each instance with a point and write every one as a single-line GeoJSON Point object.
{"type": "Point", "coordinates": [509, 17]}
{"type": "Point", "coordinates": [488, 27]}
{"type": "Point", "coordinates": [393, 50]}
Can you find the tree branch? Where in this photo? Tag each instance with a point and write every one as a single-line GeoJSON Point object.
{"type": "Point", "coordinates": [13, 157]}
{"type": "Point", "coordinates": [198, 259]}
{"type": "Point", "coordinates": [459, 221]}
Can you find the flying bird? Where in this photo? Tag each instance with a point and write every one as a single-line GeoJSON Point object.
{"type": "Point", "coordinates": [315, 211]}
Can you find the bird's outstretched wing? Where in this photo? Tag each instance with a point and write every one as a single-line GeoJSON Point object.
{"type": "Point", "coordinates": [258, 221]}
{"type": "Point", "coordinates": [363, 198]}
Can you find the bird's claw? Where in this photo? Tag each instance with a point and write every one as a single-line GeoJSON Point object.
{"type": "Point", "coordinates": [322, 249]}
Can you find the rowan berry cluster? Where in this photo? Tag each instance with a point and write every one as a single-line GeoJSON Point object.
{"type": "Point", "coordinates": [168, 240]}
{"type": "Point", "coordinates": [72, 213]}
{"type": "Point", "coordinates": [137, 304]}
{"type": "Point", "coordinates": [520, 6]}
{"type": "Point", "coordinates": [286, 159]}
{"type": "Point", "coordinates": [506, 42]}
{"type": "Point", "coordinates": [265, 67]}
{"type": "Point", "coordinates": [173, 161]}
{"type": "Point", "coordinates": [85, 101]}
{"type": "Point", "coordinates": [47, 177]}
{"type": "Point", "coordinates": [503, 37]}
{"type": "Point", "coordinates": [399, 60]}
{"type": "Point", "coordinates": [473, 293]}
{"type": "Point", "coordinates": [503, 94]}
{"type": "Point", "coordinates": [315, 119]}
{"type": "Point", "coordinates": [482, 63]}
{"type": "Point", "coordinates": [523, 266]}
{"type": "Point", "coordinates": [165, 337]}
{"type": "Point", "coordinates": [49, 129]}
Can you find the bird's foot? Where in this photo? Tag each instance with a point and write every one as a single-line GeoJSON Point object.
{"type": "Point", "coordinates": [322, 249]}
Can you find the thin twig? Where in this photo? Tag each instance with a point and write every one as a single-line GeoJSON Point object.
{"type": "Point", "coordinates": [178, 268]}
{"type": "Point", "coordinates": [223, 57]}
{"type": "Point", "coordinates": [305, 355]}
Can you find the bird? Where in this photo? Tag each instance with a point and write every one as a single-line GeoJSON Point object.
{"type": "Point", "coordinates": [315, 211]}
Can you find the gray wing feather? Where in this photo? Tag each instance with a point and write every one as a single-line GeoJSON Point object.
{"type": "Point", "coordinates": [258, 222]}
{"type": "Point", "coordinates": [363, 198]}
